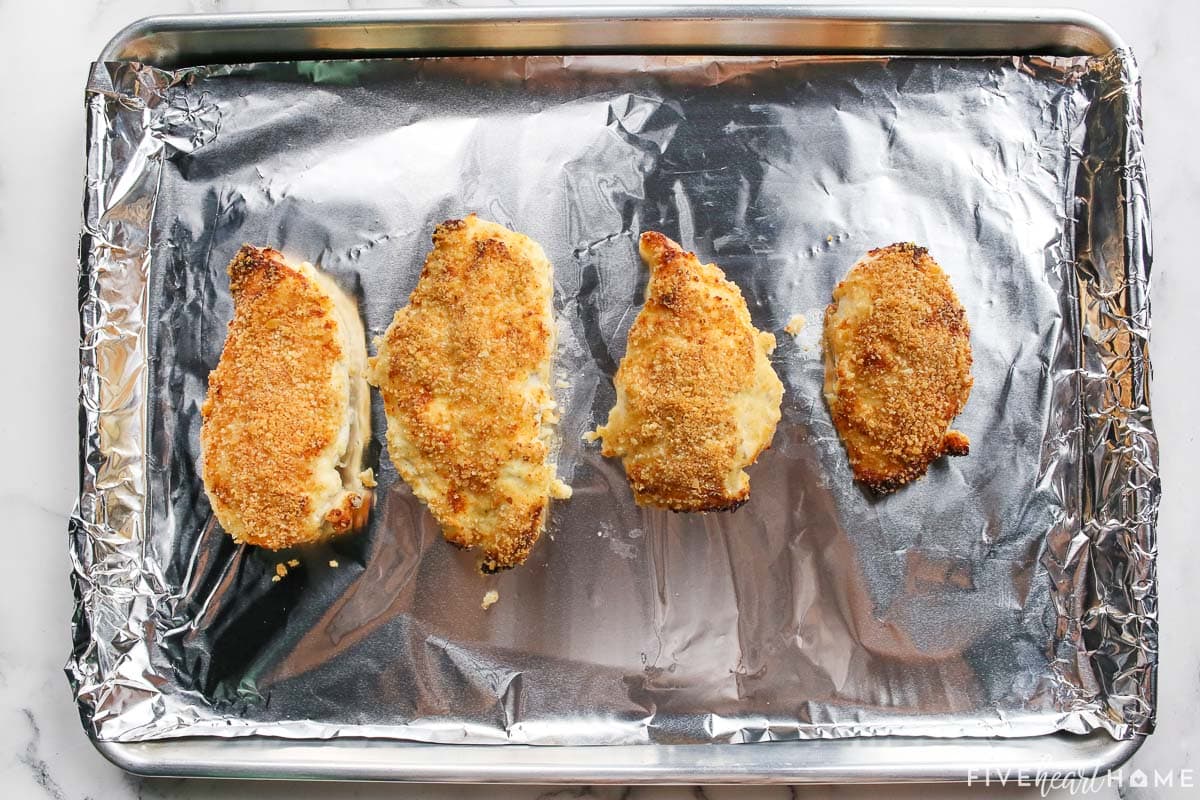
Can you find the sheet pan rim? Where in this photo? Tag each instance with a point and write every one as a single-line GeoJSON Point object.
{"type": "Point", "coordinates": [179, 757]}
{"type": "Point", "coordinates": [769, 762]}
{"type": "Point", "coordinates": [1104, 38]}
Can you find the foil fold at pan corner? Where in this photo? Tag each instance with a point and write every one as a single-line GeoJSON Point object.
{"type": "Point", "coordinates": [815, 611]}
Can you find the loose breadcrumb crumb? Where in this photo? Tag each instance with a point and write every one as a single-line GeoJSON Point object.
{"type": "Point", "coordinates": [280, 570]}
{"type": "Point", "coordinates": [490, 599]}
{"type": "Point", "coordinates": [294, 562]}
{"type": "Point", "coordinates": [333, 563]}
{"type": "Point", "coordinates": [367, 476]}
{"type": "Point", "coordinates": [796, 324]}
{"type": "Point", "coordinates": [275, 579]}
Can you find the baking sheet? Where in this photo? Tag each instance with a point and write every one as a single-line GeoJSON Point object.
{"type": "Point", "coordinates": [1009, 593]}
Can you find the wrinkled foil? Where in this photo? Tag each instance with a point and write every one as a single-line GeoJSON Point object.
{"type": "Point", "coordinates": [1008, 593]}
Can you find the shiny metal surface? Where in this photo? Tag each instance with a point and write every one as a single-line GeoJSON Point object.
{"type": "Point", "coordinates": [173, 41]}
{"type": "Point", "coordinates": [891, 760]}
{"type": "Point", "coordinates": [1100, 670]}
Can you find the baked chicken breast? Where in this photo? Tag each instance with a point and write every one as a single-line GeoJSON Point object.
{"type": "Point", "coordinates": [464, 370]}
{"type": "Point", "coordinates": [897, 365]}
{"type": "Point", "coordinates": [288, 409]}
{"type": "Point", "coordinates": [697, 398]}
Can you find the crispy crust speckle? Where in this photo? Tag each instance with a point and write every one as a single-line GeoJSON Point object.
{"type": "Point", "coordinates": [897, 365]}
{"type": "Point", "coordinates": [275, 421]}
{"type": "Point", "coordinates": [464, 370]}
{"type": "Point", "coordinates": [697, 399]}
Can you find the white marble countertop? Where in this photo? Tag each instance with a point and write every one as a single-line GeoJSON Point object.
{"type": "Point", "coordinates": [43, 750]}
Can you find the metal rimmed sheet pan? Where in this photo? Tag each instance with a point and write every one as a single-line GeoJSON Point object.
{"type": "Point", "coordinates": [1086, 284]}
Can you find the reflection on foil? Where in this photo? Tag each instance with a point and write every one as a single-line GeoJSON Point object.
{"type": "Point", "coordinates": [1008, 593]}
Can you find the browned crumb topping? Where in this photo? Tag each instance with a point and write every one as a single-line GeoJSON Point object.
{"type": "Point", "coordinates": [697, 398]}
{"type": "Point", "coordinates": [464, 372]}
{"type": "Point", "coordinates": [898, 365]}
{"type": "Point", "coordinates": [272, 409]}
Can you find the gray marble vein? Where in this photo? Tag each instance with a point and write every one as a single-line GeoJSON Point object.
{"type": "Point", "coordinates": [37, 765]}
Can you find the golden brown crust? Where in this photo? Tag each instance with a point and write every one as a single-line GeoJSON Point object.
{"type": "Point", "coordinates": [275, 421]}
{"type": "Point", "coordinates": [897, 365]}
{"type": "Point", "coordinates": [464, 370]}
{"type": "Point", "coordinates": [697, 399]}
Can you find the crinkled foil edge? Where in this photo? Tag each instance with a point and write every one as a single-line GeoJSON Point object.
{"type": "Point", "coordinates": [116, 588]}
{"type": "Point", "coordinates": [1105, 575]}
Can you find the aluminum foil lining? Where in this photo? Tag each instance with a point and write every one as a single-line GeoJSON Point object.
{"type": "Point", "coordinates": [1008, 593]}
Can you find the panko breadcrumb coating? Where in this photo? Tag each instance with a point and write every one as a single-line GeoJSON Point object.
{"type": "Point", "coordinates": [897, 365]}
{"type": "Point", "coordinates": [465, 374]}
{"type": "Point", "coordinates": [697, 399]}
{"type": "Point", "coordinates": [287, 413]}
